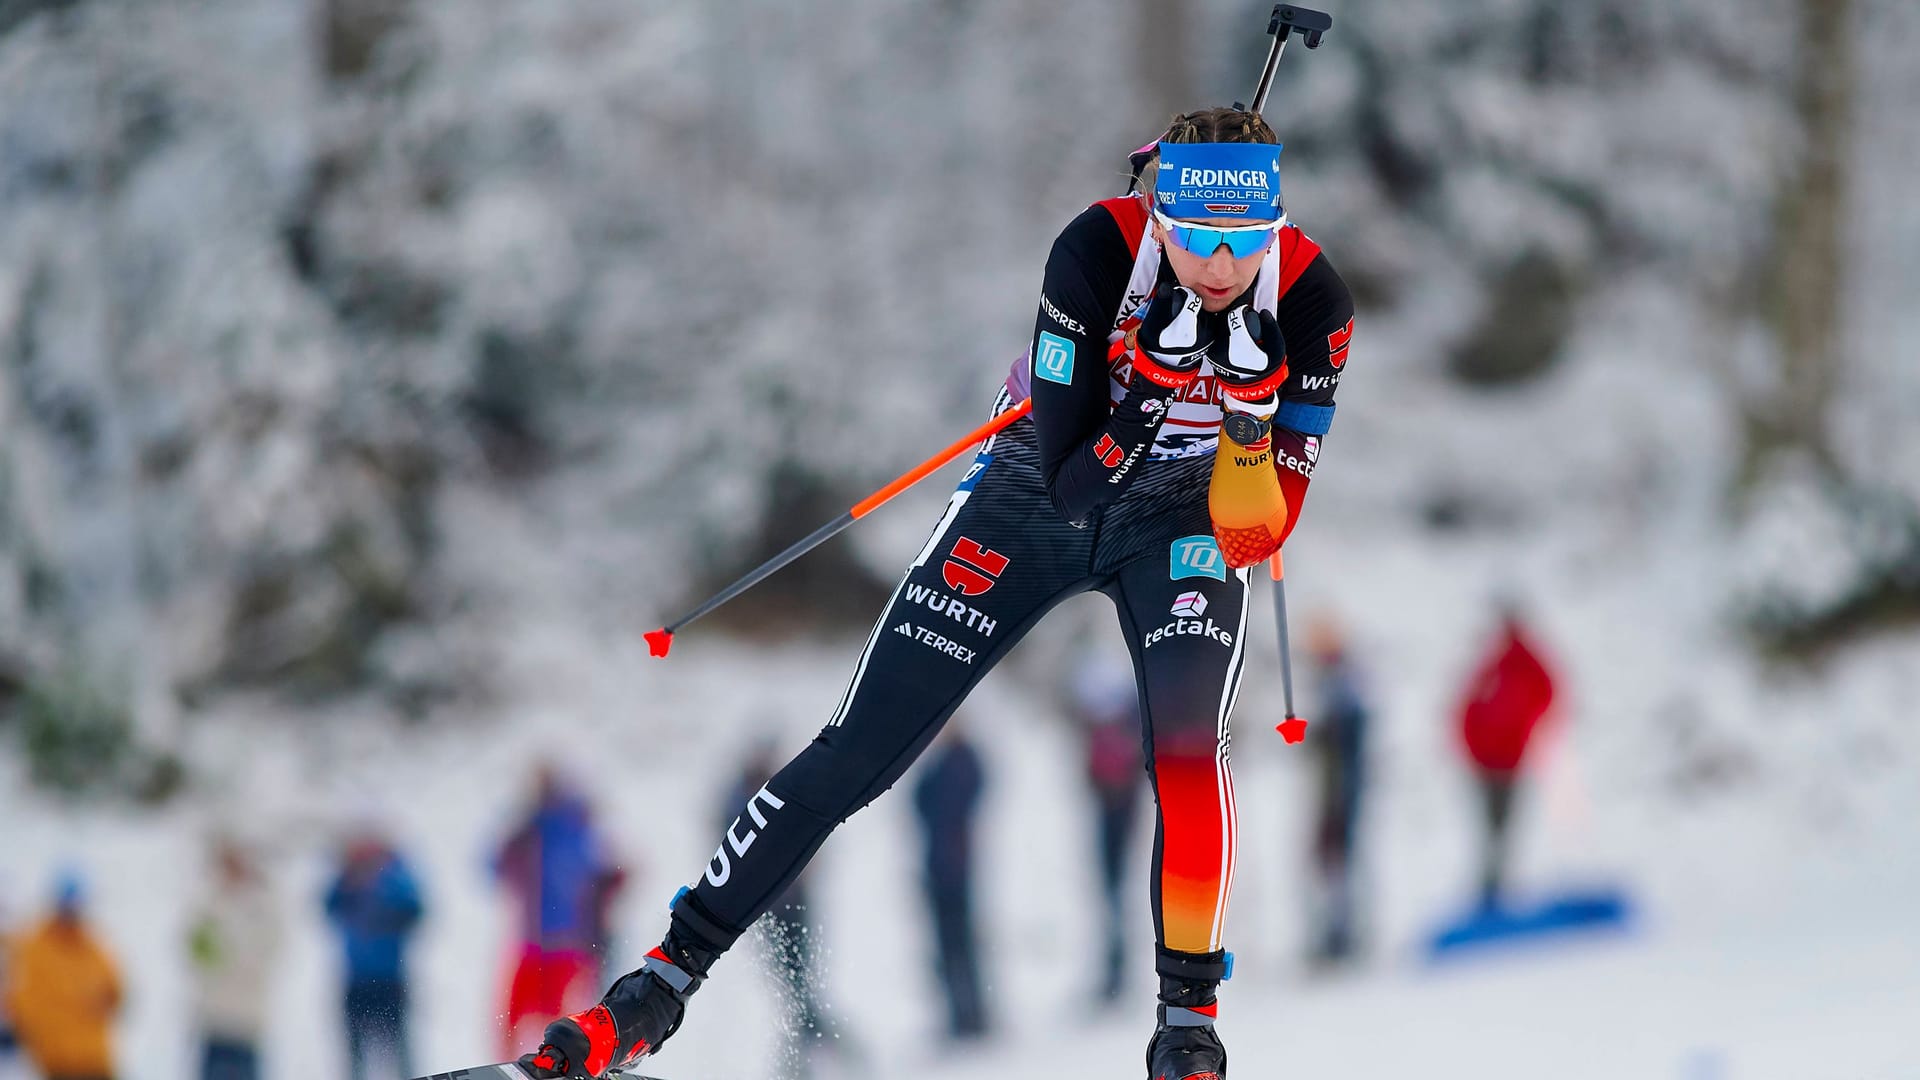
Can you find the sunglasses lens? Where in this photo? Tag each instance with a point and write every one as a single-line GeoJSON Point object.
{"type": "Point", "coordinates": [1243, 244]}
{"type": "Point", "coordinates": [1204, 242]}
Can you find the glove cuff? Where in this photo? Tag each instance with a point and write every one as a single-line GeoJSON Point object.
{"type": "Point", "coordinates": [1253, 391]}
{"type": "Point", "coordinates": [1261, 408]}
{"type": "Point", "coordinates": [1170, 372]}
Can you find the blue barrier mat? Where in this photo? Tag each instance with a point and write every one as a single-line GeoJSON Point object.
{"type": "Point", "coordinates": [1514, 923]}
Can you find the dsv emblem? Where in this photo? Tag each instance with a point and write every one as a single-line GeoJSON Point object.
{"type": "Point", "coordinates": [721, 868]}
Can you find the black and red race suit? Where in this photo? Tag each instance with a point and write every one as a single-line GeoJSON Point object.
{"type": "Point", "coordinates": [1102, 488]}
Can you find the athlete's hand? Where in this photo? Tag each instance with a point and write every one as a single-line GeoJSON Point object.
{"type": "Point", "coordinates": [1251, 361]}
{"type": "Point", "coordinates": [1173, 338]}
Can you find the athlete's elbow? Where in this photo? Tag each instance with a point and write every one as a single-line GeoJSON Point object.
{"type": "Point", "coordinates": [1074, 512]}
{"type": "Point", "coordinates": [1075, 516]}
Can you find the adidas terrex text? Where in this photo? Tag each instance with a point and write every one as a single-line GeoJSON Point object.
{"type": "Point", "coordinates": [934, 641]}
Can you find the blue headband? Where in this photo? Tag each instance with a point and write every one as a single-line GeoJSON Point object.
{"type": "Point", "coordinates": [1203, 180]}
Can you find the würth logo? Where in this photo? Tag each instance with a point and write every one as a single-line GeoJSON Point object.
{"type": "Point", "coordinates": [1108, 452]}
{"type": "Point", "coordinates": [1337, 343]}
{"type": "Point", "coordinates": [972, 569]}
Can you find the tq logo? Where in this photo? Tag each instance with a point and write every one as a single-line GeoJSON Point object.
{"type": "Point", "coordinates": [1196, 556]}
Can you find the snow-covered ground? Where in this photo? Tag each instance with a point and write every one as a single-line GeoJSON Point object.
{"type": "Point", "coordinates": [1777, 933]}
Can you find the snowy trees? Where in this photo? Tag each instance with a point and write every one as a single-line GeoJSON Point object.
{"type": "Point", "coordinates": [279, 286]}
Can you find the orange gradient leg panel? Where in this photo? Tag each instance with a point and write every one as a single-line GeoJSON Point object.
{"type": "Point", "coordinates": [1196, 846]}
{"type": "Point", "coordinates": [1186, 615]}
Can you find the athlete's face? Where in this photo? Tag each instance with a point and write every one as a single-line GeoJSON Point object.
{"type": "Point", "coordinates": [1216, 278]}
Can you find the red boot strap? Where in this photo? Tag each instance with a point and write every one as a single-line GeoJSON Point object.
{"type": "Point", "coordinates": [603, 1038]}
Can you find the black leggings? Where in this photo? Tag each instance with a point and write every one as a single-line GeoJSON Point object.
{"type": "Point", "coordinates": [998, 560]}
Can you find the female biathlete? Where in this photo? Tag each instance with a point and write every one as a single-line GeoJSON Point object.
{"type": "Point", "coordinates": [1190, 307]}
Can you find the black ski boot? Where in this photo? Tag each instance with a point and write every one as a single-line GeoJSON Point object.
{"type": "Point", "coordinates": [1185, 1046]}
{"type": "Point", "coordinates": [639, 1012]}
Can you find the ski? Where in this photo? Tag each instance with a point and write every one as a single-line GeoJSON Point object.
{"type": "Point", "coordinates": [512, 1071]}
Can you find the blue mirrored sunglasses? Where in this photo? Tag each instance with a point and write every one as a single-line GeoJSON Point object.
{"type": "Point", "coordinates": [1204, 240]}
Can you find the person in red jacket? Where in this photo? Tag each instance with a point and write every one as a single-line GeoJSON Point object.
{"type": "Point", "coordinates": [1510, 694]}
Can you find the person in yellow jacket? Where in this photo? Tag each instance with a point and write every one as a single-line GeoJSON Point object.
{"type": "Point", "coordinates": [63, 992]}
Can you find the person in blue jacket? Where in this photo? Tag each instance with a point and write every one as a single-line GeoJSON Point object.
{"type": "Point", "coordinates": [375, 905]}
{"type": "Point", "coordinates": [945, 799]}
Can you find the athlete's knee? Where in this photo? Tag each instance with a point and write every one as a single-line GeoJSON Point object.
{"type": "Point", "coordinates": [1182, 733]}
{"type": "Point", "coordinates": [833, 778]}
{"type": "Point", "coordinates": [808, 781]}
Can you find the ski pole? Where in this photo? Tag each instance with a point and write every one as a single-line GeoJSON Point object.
{"type": "Point", "coordinates": [659, 641]}
{"type": "Point", "coordinates": [1286, 21]}
{"type": "Point", "coordinates": [1292, 729]}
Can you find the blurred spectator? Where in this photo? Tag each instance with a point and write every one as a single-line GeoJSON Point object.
{"type": "Point", "coordinates": [234, 944]}
{"type": "Point", "coordinates": [1337, 742]}
{"type": "Point", "coordinates": [64, 991]}
{"type": "Point", "coordinates": [375, 904]}
{"type": "Point", "coordinates": [1510, 693]}
{"type": "Point", "coordinates": [9, 1044]}
{"type": "Point", "coordinates": [1106, 707]}
{"type": "Point", "coordinates": [945, 798]}
{"type": "Point", "coordinates": [792, 932]}
{"type": "Point", "coordinates": [607, 887]}
{"type": "Point", "coordinates": [554, 864]}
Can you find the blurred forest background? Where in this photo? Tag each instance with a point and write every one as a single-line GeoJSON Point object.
{"type": "Point", "coordinates": [296, 298]}
{"type": "Point", "coordinates": [374, 372]}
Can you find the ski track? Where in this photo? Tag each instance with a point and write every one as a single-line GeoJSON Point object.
{"type": "Point", "coordinates": [1774, 941]}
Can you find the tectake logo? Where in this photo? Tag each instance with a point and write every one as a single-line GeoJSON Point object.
{"type": "Point", "coordinates": [1190, 604]}
{"type": "Point", "coordinates": [972, 569]}
{"type": "Point", "coordinates": [1053, 359]}
{"type": "Point", "coordinates": [1196, 556]}
{"type": "Point", "coordinates": [1293, 464]}
{"type": "Point", "coordinates": [1200, 628]}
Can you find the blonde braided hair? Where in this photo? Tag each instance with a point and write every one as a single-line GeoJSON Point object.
{"type": "Point", "coordinates": [1223, 125]}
